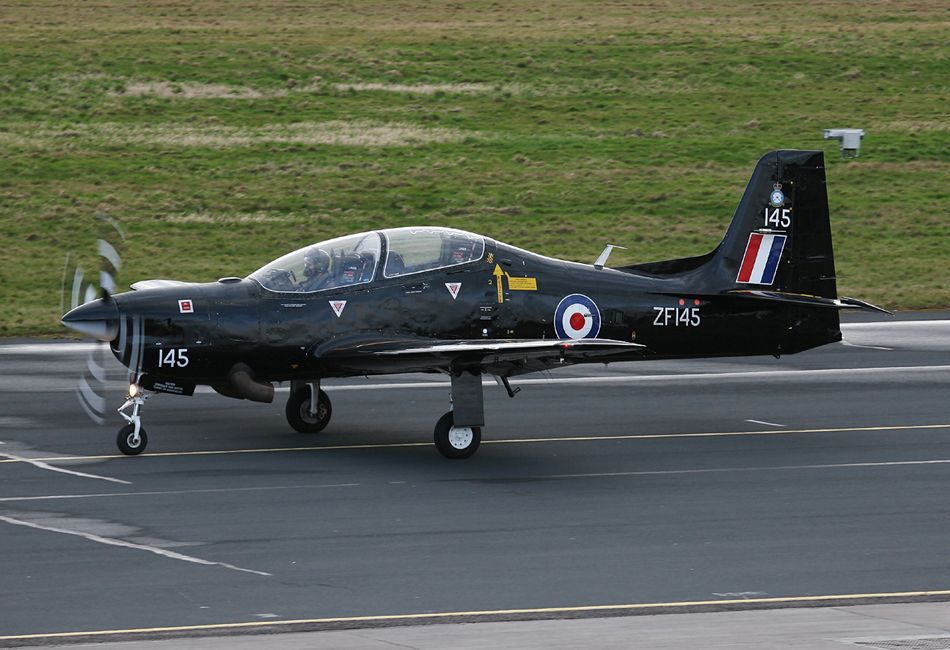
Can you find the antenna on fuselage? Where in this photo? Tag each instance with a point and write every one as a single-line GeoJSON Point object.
{"type": "Point", "coordinates": [600, 261]}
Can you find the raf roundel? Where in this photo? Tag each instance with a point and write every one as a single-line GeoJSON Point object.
{"type": "Point", "coordinates": [577, 317]}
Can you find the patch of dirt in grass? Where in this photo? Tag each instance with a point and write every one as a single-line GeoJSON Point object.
{"type": "Point", "coordinates": [192, 90]}
{"type": "Point", "coordinates": [357, 133]}
{"type": "Point", "coordinates": [251, 217]}
{"type": "Point", "coordinates": [915, 126]}
{"type": "Point", "coordinates": [430, 89]}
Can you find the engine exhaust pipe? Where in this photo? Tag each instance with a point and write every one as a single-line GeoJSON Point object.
{"type": "Point", "coordinates": [241, 378]}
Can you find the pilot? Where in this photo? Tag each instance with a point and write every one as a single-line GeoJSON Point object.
{"type": "Point", "coordinates": [352, 270]}
{"type": "Point", "coordinates": [316, 267]}
{"type": "Point", "coordinates": [462, 251]}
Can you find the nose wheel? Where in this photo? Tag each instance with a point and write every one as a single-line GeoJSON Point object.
{"type": "Point", "coordinates": [131, 443]}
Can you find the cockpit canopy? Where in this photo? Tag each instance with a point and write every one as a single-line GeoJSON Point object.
{"type": "Point", "coordinates": [413, 250]}
{"type": "Point", "coordinates": [353, 259]}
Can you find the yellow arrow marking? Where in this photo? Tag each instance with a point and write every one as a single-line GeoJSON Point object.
{"type": "Point", "coordinates": [498, 273]}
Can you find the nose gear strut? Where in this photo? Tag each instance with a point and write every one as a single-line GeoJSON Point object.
{"type": "Point", "coordinates": [132, 438]}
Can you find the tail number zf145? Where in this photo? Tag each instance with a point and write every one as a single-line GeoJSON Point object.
{"type": "Point", "coordinates": [173, 358]}
{"type": "Point", "coordinates": [676, 316]}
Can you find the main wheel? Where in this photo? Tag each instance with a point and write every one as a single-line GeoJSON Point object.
{"type": "Point", "coordinates": [298, 411]}
{"type": "Point", "coordinates": [453, 441]}
{"type": "Point", "coordinates": [128, 444]}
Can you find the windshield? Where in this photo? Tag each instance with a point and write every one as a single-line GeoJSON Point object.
{"type": "Point", "coordinates": [335, 263]}
{"type": "Point", "coordinates": [412, 250]}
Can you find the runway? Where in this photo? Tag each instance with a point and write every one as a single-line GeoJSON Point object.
{"type": "Point", "coordinates": [596, 489]}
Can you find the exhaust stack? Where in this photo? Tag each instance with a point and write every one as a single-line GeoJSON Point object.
{"type": "Point", "coordinates": [242, 380]}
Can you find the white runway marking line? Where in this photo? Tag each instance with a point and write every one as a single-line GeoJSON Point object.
{"type": "Point", "coordinates": [768, 424]}
{"type": "Point", "coordinates": [713, 470]}
{"type": "Point", "coordinates": [124, 544]}
{"type": "Point", "coordinates": [866, 347]}
{"type": "Point", "coordinates": [41, 465]}
{"type": "Point", "coordinates": [756, 375]}
{"type": "Point", "coordinates": [746, 375]}
{"type": "Point", "coordinates": [54, 497]}
{"type": "Point", "coordinates": [895, 324]}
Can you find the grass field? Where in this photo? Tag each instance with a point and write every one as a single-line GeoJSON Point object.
{"type": "Point", "coordinates": [224, 134]}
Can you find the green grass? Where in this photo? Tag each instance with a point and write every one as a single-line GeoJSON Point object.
{"type": "Point", "coordinates": [224, 135]}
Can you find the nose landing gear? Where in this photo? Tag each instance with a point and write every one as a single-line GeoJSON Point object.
{"type": "Point", "coordinates": [132, 438]}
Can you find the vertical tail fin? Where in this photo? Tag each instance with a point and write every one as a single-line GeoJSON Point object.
{"type": "Point", "coordinates": [780, 236]}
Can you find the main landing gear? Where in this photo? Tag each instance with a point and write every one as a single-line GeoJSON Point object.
{"type": "Point", "coordinates": [308, 407]}
{"type": "Point", "coordinates": [132, 438]}
{"type": "Point", "coordinates": [459, 432]}
{"type": "Point", "coordinates": [454, 441]}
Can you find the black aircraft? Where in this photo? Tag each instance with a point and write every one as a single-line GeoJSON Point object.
{"type": "Point", "coordinates": [431, 299]}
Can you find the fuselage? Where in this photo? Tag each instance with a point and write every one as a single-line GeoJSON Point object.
{"type": "Point", "coordinates": [196, 332]}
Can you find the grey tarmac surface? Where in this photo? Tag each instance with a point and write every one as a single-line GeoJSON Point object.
{"type": "Point", "coordinates": [824, 473]}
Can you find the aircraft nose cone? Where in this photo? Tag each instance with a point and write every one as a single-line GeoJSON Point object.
{"type": "Point", "coordinates": [98, 319]}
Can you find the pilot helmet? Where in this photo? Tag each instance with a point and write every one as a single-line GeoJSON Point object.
{"type": "Point", "coordinates": [351, 269]}
{"type": "Point", "coordinates": [315, 262]}
{"type": "Point", "coordinates": [461, 251]}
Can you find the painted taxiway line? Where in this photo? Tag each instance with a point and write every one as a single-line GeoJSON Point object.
{"type": "Point", "coordinates": [865, 347]}
{"type": "Point", "coordinates": [532, 477]}
{"type": "Point", "coordinates": [745, 375]}
{"type": "Point", "coordinates": [509, 441]}
{"type": "Point", "coordinates": [475, 616]}
{"type": "Point", "coordinates": [736, 470]}
{"type": "Point", "coordinates": [768, 424]}
{"type": "Point", "coordinates": [111, 541]}
{"type": "Point", "coordinates": [804, 374]}
{"type": "Point", "coordinates": [40, 464]}
{"type": "Point", "coordinates": [895, 324]}
{"type": "Point", "coordinates": [152, 493]}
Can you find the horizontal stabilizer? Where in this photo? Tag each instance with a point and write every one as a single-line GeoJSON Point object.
{"type": "Point", "coordinates": [804, 299]}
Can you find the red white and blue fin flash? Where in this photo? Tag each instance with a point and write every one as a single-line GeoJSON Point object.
{"type": "Point", "coordinates": [762, 255]}
{"type": "Point", "coordinates": [577, 317]}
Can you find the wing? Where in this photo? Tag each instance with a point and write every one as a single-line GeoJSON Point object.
{"type": "Point", "coordinates": [503, 357]}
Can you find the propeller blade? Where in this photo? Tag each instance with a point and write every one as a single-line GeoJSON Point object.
{"type": "Point", "coordinates": [137, 347]}
{"type": "Point", "coordinates": [99, 319]}
{"type": "Point", "coordinates": [77, 288]}
{"type": "Point", "coordinates": [91, 389]}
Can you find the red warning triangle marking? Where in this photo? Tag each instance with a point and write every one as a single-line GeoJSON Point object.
{"type": "Point", "coordinates": [338, 306]}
